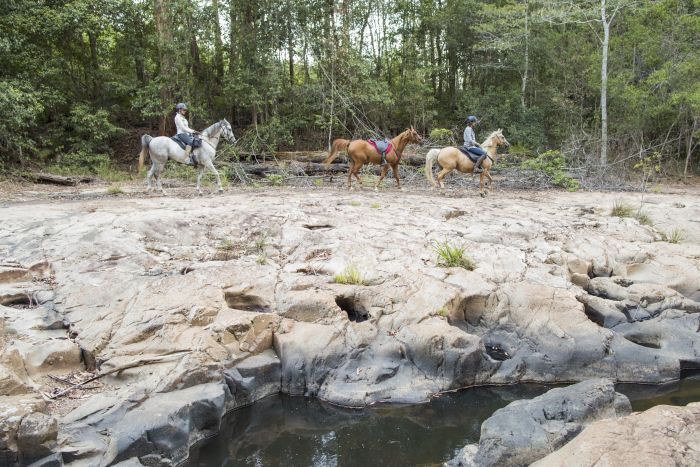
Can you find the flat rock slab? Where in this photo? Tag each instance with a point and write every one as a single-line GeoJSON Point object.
{"type": "Point", "coordinates": [663, 436]}
{"type": "Point", "coordinates": [527, 430]}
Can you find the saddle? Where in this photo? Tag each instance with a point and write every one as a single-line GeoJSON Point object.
{"type": "Point", "coordinates": [383, 147]}
{"type": "Point", "coordinates": [472, 157]}
{"type": "Point", "coordinates": [196, 142]}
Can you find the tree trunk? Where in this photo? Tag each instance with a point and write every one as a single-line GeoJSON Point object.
{"type": "Point", "coordinates": [218, 48]}
{"type": "Point", "coordinates": [604, 87]}
{"type": "Point", "coordinates": [527, 55]}
{"type": "Point", "coordinates": [165, 59]}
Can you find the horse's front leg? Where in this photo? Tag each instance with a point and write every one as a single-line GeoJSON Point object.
{"type": "Point", "coordinates": [210, 166]}
{"type": "Point", "coordinates": [351, 169]}
{"type": "Point", "coordinates": [395, 169]}
{"type": "Point", "coordinates": [490, 185]}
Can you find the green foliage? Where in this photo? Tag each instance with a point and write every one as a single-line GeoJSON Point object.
{"type": "Point", "coordinates": [73, 73]}
{"type": "Point", "coordinates": [552, 164]}
{"type": "Point", "coordinates": [275, 179]}
{"type": "Point", "coordinates": [621, 209]}
{"type": "Point", "coordinates": [375, 206]}
{"type": "Point", "coordinates": [450, 255]}
{"type": "Point", "coordinates": [441, 136]}
{"type": "Point", "coordinates": [115, 190]}
{"type": "Point", "coordinates": [350, 275]}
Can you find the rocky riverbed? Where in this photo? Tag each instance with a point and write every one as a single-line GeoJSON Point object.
{"type": "Point", "coordinates": [193, 307]}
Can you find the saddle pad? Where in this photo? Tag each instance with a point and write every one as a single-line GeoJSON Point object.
{"type": "Point", "coordinates": [196, 142]}
{"type": "Point", "coordinates": [472, 157]}
{"type": "Point", "coordinates": [177, 140]}
{"type": "Point", "coordinates": [383, 147]}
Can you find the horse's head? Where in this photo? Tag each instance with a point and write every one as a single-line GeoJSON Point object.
{"type": "Point", "coordinates": [413, 136]}
{"type": "Point", "coordinates": [226, 131]}
{"type": "Point", "coordinates": [498, 138]}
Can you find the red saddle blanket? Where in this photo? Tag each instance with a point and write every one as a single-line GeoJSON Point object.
{"type": "Point", "coordinates": [383, 147]}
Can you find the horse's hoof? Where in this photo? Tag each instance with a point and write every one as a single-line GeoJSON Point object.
{"type": "Point", "coordinates": [200, 193]}
{"type": "Point", "coordinates": [221, 191]}
{"type": "Point", "coordinates": [483, 195]}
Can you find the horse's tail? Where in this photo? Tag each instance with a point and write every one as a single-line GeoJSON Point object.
{"type": "Point", "coordinates": [145, 141]}
{"type": "Point", "coordinates": [337, 146]}
{"type": "Point", "coordinates": [429, 160]}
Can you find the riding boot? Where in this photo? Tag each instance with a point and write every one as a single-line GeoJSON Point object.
{"type": "Point", "coordinates": [188, 155]}
{"type": "Point", "coordinates": [477, 165]}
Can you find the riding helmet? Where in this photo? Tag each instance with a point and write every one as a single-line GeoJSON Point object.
{"type": "Point", "coordinates": [181, 106]}
{"type": "Point", "coordinates": [471, 119]}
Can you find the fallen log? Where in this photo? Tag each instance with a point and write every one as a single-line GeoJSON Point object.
{"type": "Point", "coordinates": [295, 168]}
{"type": "Point", "coordinates": [40, 177]}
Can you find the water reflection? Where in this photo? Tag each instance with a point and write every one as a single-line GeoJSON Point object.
{"type": "Point", "coordinates": [295, 431]}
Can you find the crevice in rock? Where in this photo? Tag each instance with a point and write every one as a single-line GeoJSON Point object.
{"type": "Point", "coordinates": [20, 300]}
{"type": "Point", "coordinates": [593, 315]}
{"type": "Point", "coordinates": [496, 351]}
{"type": "Point", "coordinates": [356, 312]}
{"type": "Point", "coordinates": [318, 226]}
{"type": "Point", "coordinates": [246, 302]}
{"type": "Point", "coordinates": [651, 342]}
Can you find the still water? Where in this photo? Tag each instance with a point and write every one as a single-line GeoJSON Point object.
{"type": "Point", "coordinates": [296, 431]}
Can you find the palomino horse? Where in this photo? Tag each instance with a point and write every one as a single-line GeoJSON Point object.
{"type": "Point", "coordinates": [451, 158]}
{"type": "Point", "coordinates": [361, 152]}
{"type": "Point", "coordinates": [163, 148]}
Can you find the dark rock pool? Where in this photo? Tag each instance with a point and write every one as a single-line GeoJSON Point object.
{"type": "Point", "coordinates": [297, 431]}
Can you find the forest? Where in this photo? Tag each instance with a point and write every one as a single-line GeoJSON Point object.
{"type": "Point", "coordinates": [601, 82]}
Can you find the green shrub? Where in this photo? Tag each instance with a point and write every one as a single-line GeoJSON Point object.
{"type": "Point", "coordinates": [451, 256]}
{"type": "Point", "coordinates": [552, 163]}
{"type": "Point", "coordinates": [441, 136]}
{"type": "Point", "coordinates": [275, 179]}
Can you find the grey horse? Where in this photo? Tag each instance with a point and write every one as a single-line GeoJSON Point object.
{"type": "Point", "coordinates": [162, 148]}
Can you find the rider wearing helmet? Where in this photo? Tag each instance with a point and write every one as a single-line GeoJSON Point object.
{"type": "Point", "coordinates": [184, 132]}
{"type": "Point", "coordinates": [471, 145]}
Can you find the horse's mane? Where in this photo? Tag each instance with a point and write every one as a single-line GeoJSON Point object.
{"type": "Point", "coordinates": [207, 131]}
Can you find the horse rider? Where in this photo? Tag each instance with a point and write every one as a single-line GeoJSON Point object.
{"type": "Point", "coordinates": [471, 145]}
{"type": "Point", "coordinates": [184, 132]}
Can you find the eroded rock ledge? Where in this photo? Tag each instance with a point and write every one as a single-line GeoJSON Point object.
{"type": "Point", "coordinates": [242, 287]}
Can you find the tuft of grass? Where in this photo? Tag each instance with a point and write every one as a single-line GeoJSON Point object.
{"type": "Point", "coordinates": [355, 203]}
{"type": "Point", "coordinates": [260, 242]}
{"type": "Point", "coordinates": [621, 209]}
{"type": "Point", "coordinates": [226, 244]}
{"type": "Point", "coordinates": [318, 182]}
{"type": "Point", "coordinates": [451, 256]}
{"type": "Point", "coordinates": [114, 190]}
{"type": "Point", "coordinates": [275, 179]}
{"type": "Point", "coordinates": [375, 205]}
{"type": "Point", "coordinates": [351, 275]}
{"type": "Point", "coordinates": [644, 219]}
{"type": "Point", "coordinates": [261, 259]}
{"type": "Point", "coordinates": [675, 236]}
{"type": "Point", "coordinates": [442, 311]}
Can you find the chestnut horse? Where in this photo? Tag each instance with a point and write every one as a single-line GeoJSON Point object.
{"type": "Point", "coordinates": [451, 158]}
{"type": "Point", "coordinates": [361, 152]}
